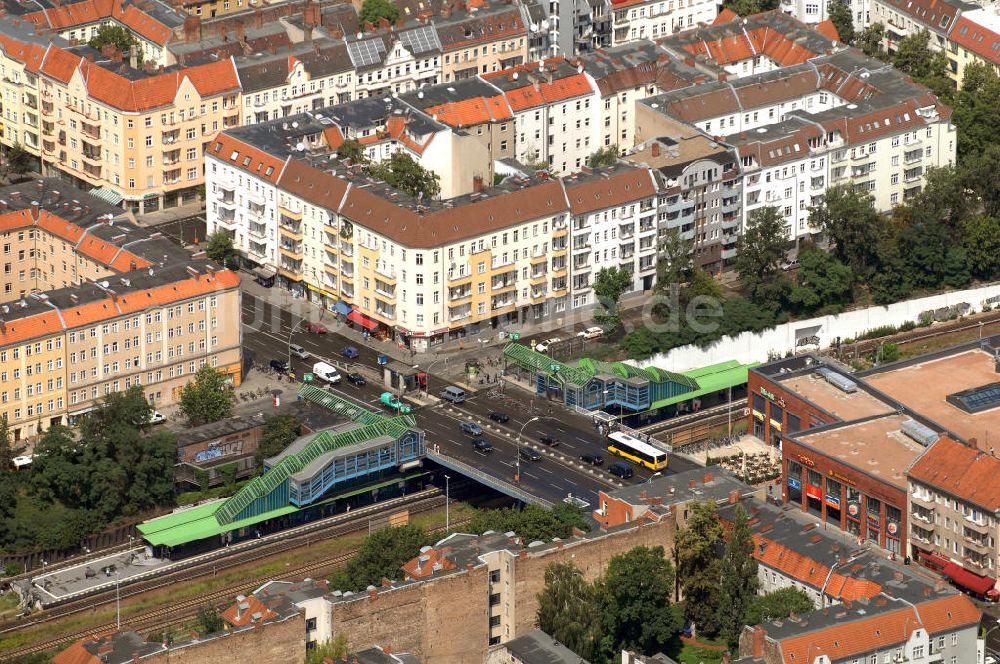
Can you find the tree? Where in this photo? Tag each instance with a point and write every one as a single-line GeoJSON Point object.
{"type": "Point", "coordinates": [851, 222]}
{"type": "Point", "coordinates": [381, 555]}
{"type": "Point", "coordinates": [975, 113]}
{"type": "Point", "coordinates": [209, 620]}
{"type": "Point", "coordinates": [739, 579]}
{"type": "Point", "coordinates": [673, 260]}
{"type": "Point", "coordinates": [943, 197]}
{"type": "Point", "coordinates": [822, 282]}
{"type": "Point", "coordinates": [871, 40]}
{"type": "Point", "coordinates": [279, 432]}
{"type": "Point", "coordinates": [698, 566]}
{"type": "Point", "coordinates": [117, 36]}
{"type": "Point", "coordinates": [207, 398]}
{"type": "Point", "coordinates": [6, 451]}
{"type": "Point", "coordinates": [634, 597]}
{"type": "Point", "coordinates": [8, 482]}
{"type": "Point", "coordinates": [981, 239]}
{"type": "Point", "coordinates": [220, 248]}
{"type": "Point", "coordinates": [761, 247]}
{"type": "Point", "coordinates": [748, 7]}
{"type": "Point", "coordinates": [351, 149]}
{"type": "Point", "coordinates": [980, 175]}
{"type": "Point", "coordinates": [606, 156]}
{"type": "Point", "coordinates": [18, 160]}
{"type": "Point", "coordinates": [930, 67]}
{"type": "Point", "coordinates": [401, 172]}
{"type": "Point", "coordinates": [609, 286]}
{"type": "Point", "coordinates": [334, 650]}
{"type": "Point", "coordinates": [840, 14]}
{"type": "Point", "coordinates": [373, 10]}
{"type": "Point", "coordinates": [932, 257]}
{"type": "Point", "coordinates": [531, 523]}
{"type": "Point", "coordinates": [567, 609]}
{"type": "Point", "coordinates": [778, 605]}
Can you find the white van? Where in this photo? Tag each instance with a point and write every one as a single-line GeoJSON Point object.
{"type": "Point", "coordinates": [453, 394]}
{"type": "Point", "coordinates": [327, 372]}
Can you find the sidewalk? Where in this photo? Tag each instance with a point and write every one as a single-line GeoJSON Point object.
{"type": "Point", "coordinates": [170, 214]}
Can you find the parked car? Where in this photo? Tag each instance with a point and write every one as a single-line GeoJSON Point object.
{"type": "Point", "coordinates": [22, 461]}
{"type": "Point", "coordinates": [298, 351]}
{"type": "Point", "coordinates": [471, 429]}
{"type": "Point", "coordinates": [354, 378]}
{"type": "Point", "coordinates": [391, 401]}
{"type": "Point", "coordinates": [280, 365]}
{"type": "Point", "coordinates": [453, 394]}
{"type": "Point", "coordinates": [529, 454]}
{"type": "Point", "coordinates": [549, 439]}
{"type": "Point", "coordinates": [316, 328]}
{"type": "Point", "coordinates": [502, 418]}
{"type": "Point", "coordinates": [545, 345]}
{"type": "Point", "coordinates": [787, 265]}
{"type": "Point", "coordinates": [621, 469]}
{"type": "Point", "coordinates": [482, 445]}
{"type": "Point", "coordinates": [156, 417]}
{"type": "Point", "coordinates": [350, 352]}
{"type": "Point", "coordinates": [592, 459]}
{"type": "Point", "coordinates": [591, 332]}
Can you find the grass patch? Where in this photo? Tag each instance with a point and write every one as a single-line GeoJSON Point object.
{"type": "Point", "coordinates": [691, 654]}
{"type": "Point", "coordinates": [191, 497]}
{"type": "Point", "coordinates": [8, 605]}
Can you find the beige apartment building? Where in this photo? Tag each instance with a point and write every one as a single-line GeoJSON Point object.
{"type": "Point", "coordinates": [137, 136]}
{"type": "Point", "coordinates": [93, 305]}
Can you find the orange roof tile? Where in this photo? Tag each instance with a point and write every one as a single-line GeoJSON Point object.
{"type": "Point", "coordinates": [828, 30]}
{"type": "Point", "coordinates": [977, 38]}
{"type": "Point", "coordinates": [424, 565]}
{"type": "Point", "coordinates": [77, 654]}
{"type": "Point", "coordinates": [880, 631]}
{"type": "Point", "coordinates": [727, 15]}
{"type": "Point", "coordinates": [612, 191]}
{"type": "Point", "coordinates": [236, 152]}
{"type": "Point", "coordinates": [470, 112]}
{"type": "Point", "coordinates": [94, 11]}
{"type": "Point", "coordinates": [811, 572]}
{"type": "Point", "coordinates": [240, 617]}
{"type": "Point", "coordinates": [961, 471]}
{"type": "Point", "coordinates": [59, 64]}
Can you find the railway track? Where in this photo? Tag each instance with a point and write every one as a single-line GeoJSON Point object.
{"type": "Point", "coordinates": [279, 543]}
{"type": "Point", "coordinates": [177, 612]}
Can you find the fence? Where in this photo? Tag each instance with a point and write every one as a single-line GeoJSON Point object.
{"type": "Point", "coordinates": [817, 332]}
{"type": "Point", "coordinates": [32, 561]}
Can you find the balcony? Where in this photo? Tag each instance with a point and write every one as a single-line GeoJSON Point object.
{"type": "Point", "coordinates": [383, 269]}
{"type": "Point", "coordinates": [169, 137]}
{"type": "Point", "coordinates": [913, 156]}
{"type": "Point", "coordinates": [331, 270]}
{"type": "Point", "coordinates": [256, 210]}
{"type": "Point", "coordinates": [91, 153]}
{"type": "Point", "coordinates": [979, 545]}
{"type": "Point", "coordinates": [539, 278]}
{"type": "Point", "coordinates": [459, 313]}
{"type": "Point", "coordinates": [257, 230]}
{"type": "Point", "coordinates": [292, 250]}
{"type": "Point", "coordinates": [500, 303]}
{"type": "Point", "coordinates": [459, 294]}
{"type": "Point", "coordinates": [385, 291]}
{"type": "Point", "coordinates": [387, 313]}
{"type": "Point", "coordinates": [92, 131]}
{"type": "Point", "coordinates": [257, 250]}
{"type": "Point", "coordinates": [92, 171]}
{"type": "Point", "coordinates": [539, 257]}
{"type": "Point", "coordinates": [292, 209]}
{"type": "Point", "coordinates": [459, 279]}
{"type": "Point", "coordinates": [561, 230]}
{"type": "Point", "coordinates": [912, 174]}
{"type": "Point", "coordinates": [977, 526]}
{"type": "Point", "coordinates": [48, 108]}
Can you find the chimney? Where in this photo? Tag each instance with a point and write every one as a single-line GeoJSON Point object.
{"type": "Point", "coordinates": [34, 210]}
{"type": "Point", "coordinates": [692, 484]}
{"type": "Point", "coordinates": [192, 29]}
{"type": "Point", "coordinates": [723, 76]}
{"type": "Point", "coordinates": [708, 478]}
{"type": "Point", "coordinates": [759, 634]}
{"type": "Point", "coordinates": [734, 496]}
{"type": "Point", "coordinates": [241, 31]}
{"type": "Point", "coordinates": [477, 183]}
{"type": "Point", "coordinates": [656, 149]}
{"type": "Point", "coordinates": [133, 57]}
{"type": "Point", "coordinates": [258, 18]}
{"type": "Point", "coordinates": [372, 593]}
{"type": "Point", "coordinates": [643, 495]}
{"type": "Point", "coordinates": [383, 23]}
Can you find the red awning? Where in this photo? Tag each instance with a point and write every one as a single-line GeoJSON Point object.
{"type": "Point", "coordinates": [362, 320]}
{"type": "Point", "coordinates": [963, 577]}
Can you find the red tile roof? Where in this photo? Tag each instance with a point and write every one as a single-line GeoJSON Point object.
{"type": "Point", "coordinates": [811, 572]}
{"type": "Point", "coordinates": [978, 39]}
{"type": "Point", "coordinates": [727, 15]}
{"type": "Point", "coordinates": [235, 152]}
{"type": "Point", "coordinates": [881, 631]}
{"type": "Point", "coordinates": [748, 43]}
{"type": "Point", "coordinates": [960, 470]}
{"type": "Point", "coordinates": [94, 11]}
{"type": "Point", "coordinates": [424, 565]}
{"type": "Point", "coordinates": [626, 186]}
{"type": "Point", "coordinates": [828, 30]}
{"type": "Point", "coordinates": [470, 112]}
{"type": "Point", "coordinates": [242, 613]}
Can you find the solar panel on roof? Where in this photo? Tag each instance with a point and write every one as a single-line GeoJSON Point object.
{"type": "Point", "coordinates": [366, 53]}
{"type": "Point", "coordinates": [976, 399]}
{"type": "Point", "coordinates": [420, 40]}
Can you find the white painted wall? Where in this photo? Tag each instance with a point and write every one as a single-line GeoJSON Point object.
{"type": "Point", "coordinates": [751, 347]}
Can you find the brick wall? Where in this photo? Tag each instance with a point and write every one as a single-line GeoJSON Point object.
{"type": "Point", "coordinates": [446, 620]}
{"type": "Point", "coordinates": [283, 642]}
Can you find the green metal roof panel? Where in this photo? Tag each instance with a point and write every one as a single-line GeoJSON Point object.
{"type": "Point", "coordinates": [204, 525]}
{"type": "Point", "coordinates": [720, 380]}
{"type": "Point", "coordinates": [179, 517]}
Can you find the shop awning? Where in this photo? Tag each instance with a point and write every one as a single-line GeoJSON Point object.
{"type": "Point", "coordinates": [342, 308]}
{"type": "Point", "coordinates": [362, 320]}
{"type": "Point", "coordinates": [265, 272]}
{"type": "Point", "coordinates": [963, 577]}
{"type": "Point", "coordinates": [108, 195]}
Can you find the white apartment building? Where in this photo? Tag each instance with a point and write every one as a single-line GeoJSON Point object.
{"type": "Point", "coordinates": [813, 12]}
{"type": "Point", "coordinates": [653, 19]}
{"type": "Point", "coordinates": [391, 62]}
{"type": "Point", "coordinates": [554, 107]}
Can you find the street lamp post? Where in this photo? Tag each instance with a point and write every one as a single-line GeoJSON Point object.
{"type": "Point", "coordinates": [517, 473]}
{"type": "Point", "coordinates": [427, 380]}
{"type": "Point", "coordinates": [288, 345]}
{"type": "Point", "coordinates": [118, 599]}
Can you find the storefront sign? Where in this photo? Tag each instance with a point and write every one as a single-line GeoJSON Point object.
{"type": "Point", "coordinates": [759, 415]}
{"type": "Point", "coordinates": [814, 492]}
{"type": "Point", "coordinates": [776, 425]}
{"type": "Point", "coordinates": [771, 397]}
{"type": "Point", "coordinates": [321, 292]}
{"type": "Point", "coordinates": [891, 528]}
{"type": "Point", "coordinates": [794, 483]}
{"type": "Point", "coordinates": [833, 501]}
{"type": "Point", "coordinates": [853, 509]}
{"type": "Point", "coordinates": [805, 461]}
{"type": "Point", "coordinates": [840, 478]}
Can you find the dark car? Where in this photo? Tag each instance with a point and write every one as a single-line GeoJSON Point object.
{"type": "Point", "coordinates": [592, 459]}
{"type": "Point", "coordinates": [350, 352]}
{"type": "Point", "coordinates": [482, 445]}
{"type": "Point", "coordinates": [621, 469]}
{"type": "Point", "coordinates": [502, 418]}
{"type": "Point", "coordinates": [549, 439]}
{"type": "Point", "coordinates": [529, 454]}
{"type": "Point", "coordinates": [355, 378]}
{"type": "Point", "coordinates": [316, 328]}
{"type": "Point", "coordinates": [280, 365]}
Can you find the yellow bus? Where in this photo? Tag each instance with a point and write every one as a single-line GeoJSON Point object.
{"type": "Point", "coordinates": [635, 450]}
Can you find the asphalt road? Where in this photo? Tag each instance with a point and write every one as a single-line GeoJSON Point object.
{"type": "Point", "coordinates": [268, 329]}
{"type": "Point", "coordinates": [184, 231]}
